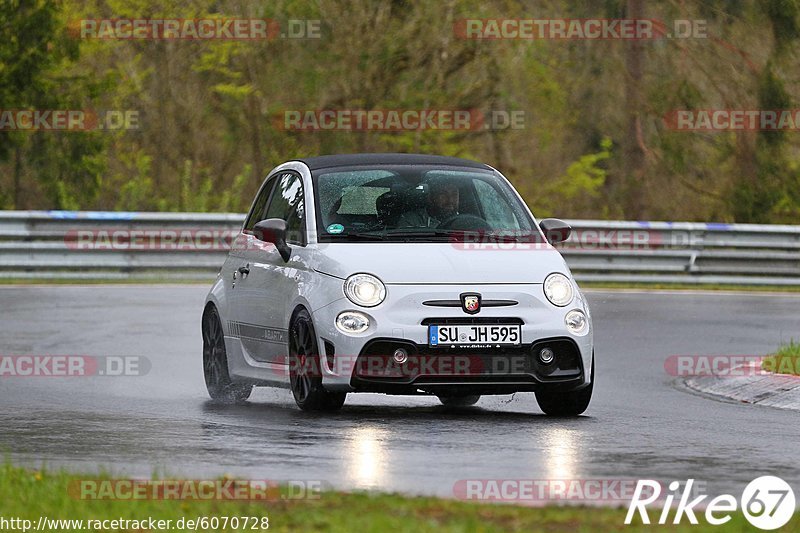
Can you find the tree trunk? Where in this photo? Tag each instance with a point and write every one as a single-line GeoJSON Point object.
{"type": "Point", "coordinates": [17, 177]}
{"type": "Point", "coordinates": [634, 154]}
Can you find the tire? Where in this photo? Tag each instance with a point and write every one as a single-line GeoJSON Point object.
{"type": "Point", "coordinates": [215, 363]}
{"type": "Point", "coordinates": [459, 401]}
{"type": "Point", "coordinates": [305, 374]}
{"type": "Point", "coordinates": [570, 403]}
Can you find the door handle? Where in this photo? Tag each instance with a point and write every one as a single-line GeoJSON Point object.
{"type": "Point", "coordinates": [245, 270]}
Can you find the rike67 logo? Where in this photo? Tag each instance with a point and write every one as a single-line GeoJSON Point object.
{"type": "Point", "coordinates": [767, 503]}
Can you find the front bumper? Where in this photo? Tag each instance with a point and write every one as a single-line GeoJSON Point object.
{"type": "Point", "coordinates": [363, 363]}
{"type": "Point", "coordinates": [448, 370]}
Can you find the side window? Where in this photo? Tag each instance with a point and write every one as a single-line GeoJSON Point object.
{"type": "Point", "coordinates": [287, 203]}
{"type": "Point", "coordinates": [295, 225]}
{"type": "Point", "coordinates": [256, 214]}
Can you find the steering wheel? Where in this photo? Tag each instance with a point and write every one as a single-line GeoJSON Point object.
{"type": "Point", "coordinates": [464, 223]}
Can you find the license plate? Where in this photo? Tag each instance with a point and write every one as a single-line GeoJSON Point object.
{"type": "Point", "coordinates": [465, 335]}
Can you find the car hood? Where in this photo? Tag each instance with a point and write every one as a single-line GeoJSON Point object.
{"type": "Point", "coordinates": [435, 263]}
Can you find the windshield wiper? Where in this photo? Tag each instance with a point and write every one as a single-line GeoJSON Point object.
{"type": "Point", "coordinates": [414, 232]}
{"type": "Point", "coordinates": [478, 236]}
{"type": "Point", "coordinates": [367, 236]}
{"type": "Point", "coordinates": [438, 235]}
{"type": "Point", "coordinates": [395, 235]}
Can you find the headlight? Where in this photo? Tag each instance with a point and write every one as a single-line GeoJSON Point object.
{"type": "Point", "coordinates": [352, 322]}
{"type": "Point", "coordinates": [577, 323]}
{"type": "Point", "coordinates": [364, 289]}
{"type": "Point", "coordinates": [558, 289]}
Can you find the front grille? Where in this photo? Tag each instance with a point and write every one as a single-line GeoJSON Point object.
{"type": "Point", "coordinates": [470, 320]}
{"type": "Point", "coordinates": [457, 303]}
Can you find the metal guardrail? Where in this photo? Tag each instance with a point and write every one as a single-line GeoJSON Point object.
{"type": "Point", "coordinates": [192, 246]}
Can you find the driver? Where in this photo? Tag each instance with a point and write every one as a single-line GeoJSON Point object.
{"type": "Point", "coordinates": [442, 204]}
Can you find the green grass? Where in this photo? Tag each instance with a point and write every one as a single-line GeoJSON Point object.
{"type": "Point", "coordinates": [32, 493]}
{"type": "Point", "coordinates": [785, 361]}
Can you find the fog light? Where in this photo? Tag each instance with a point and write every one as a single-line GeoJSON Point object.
{"type": "Point", "coordinates": [577, 323]}
{"type": "Point", "coordinates": [546, 356]}
{"type": "Point", "coordinates": [400, 356]}
{"type": "Point", "coordinates": [352, 322]}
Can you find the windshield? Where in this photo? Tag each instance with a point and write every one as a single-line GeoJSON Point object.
{"type": "Point", "coordinates": [417, 203]}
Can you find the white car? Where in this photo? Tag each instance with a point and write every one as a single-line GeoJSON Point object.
{"type": "Point", "coordinates": [397, 274]}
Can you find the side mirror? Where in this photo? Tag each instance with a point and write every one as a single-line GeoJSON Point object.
{"type": "Point", "coordinates": [555, 230]}
{"type": "Point", "coordinates": [273, 230]}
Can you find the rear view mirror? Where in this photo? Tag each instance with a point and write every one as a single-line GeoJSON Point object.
{"type": "Point", "coordinates": [273, 230]}
{"type": "Point", "coordinates": [555, 230]}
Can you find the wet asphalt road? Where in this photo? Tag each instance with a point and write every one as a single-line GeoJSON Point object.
{"type": "Point", "coordinates": [640, 424]}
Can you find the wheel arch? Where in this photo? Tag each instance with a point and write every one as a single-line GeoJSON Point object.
{"type": "Point", "coordinates": [296, 311]}
{"type": "Point", "coordinates": [209, 305]}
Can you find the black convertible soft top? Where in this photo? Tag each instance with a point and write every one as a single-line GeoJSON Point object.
{"type": "Point", "coordinates": [347, 160]}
